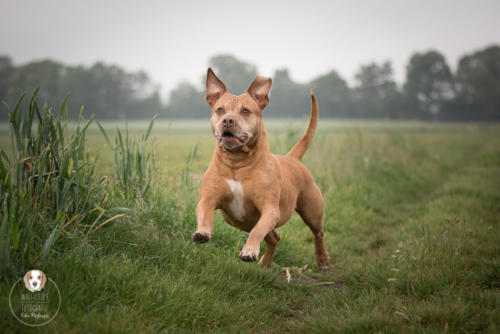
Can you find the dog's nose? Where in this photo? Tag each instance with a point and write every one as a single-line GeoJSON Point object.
{"type": "Point", "coordinates": [35, 283]}
{"type": "Point", "coordinates": [228, 122]}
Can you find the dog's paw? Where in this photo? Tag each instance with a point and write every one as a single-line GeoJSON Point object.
{"type": "Point", "coordinates": [248, 255]}
{"type": "Point", "coordinates": [324, 267]}
{"type": "Point", "coordinates": [201, 237]}
{"type": "Point", "coordinates": [323, 263]}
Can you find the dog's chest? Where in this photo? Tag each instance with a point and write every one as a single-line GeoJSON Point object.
{"type": "Point", "coordinates": [237, 203]}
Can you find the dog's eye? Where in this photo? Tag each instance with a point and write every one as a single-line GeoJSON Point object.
{"type": "Point", "coordinates": [245, 111]}
{"type": "Point", "coordinates": [219, 111]}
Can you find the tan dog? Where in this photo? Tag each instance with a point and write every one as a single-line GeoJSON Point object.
{"type": "Point", "coordinates": [255, 190]}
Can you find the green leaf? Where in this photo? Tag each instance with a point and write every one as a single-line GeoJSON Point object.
{"type": "Point", "coordinates": [14, 232]}
{"type": "Point", "coordinates": [104, 133]}
{"type": "Point", "coordinates": [150, 127]}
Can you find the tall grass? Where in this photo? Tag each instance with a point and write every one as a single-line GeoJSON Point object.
{"type": "Point", "coordinates": [50, 184]}
{"type": "Point", "coordinates": [134, 163]}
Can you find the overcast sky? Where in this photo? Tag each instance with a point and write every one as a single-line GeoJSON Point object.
{"type": "Point", "coordinates": [173, 40]}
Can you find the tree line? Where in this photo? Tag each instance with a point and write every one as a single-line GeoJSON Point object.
{"type": "Point", "coordinates": [108, 91]}
{"type": "Point", "coordinates": [431, 91]}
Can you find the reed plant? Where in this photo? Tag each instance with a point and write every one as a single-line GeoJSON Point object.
{"type": "Point", "coordinates": [134, 163]}
{"type": "Point", "coordinates": [49, 185]}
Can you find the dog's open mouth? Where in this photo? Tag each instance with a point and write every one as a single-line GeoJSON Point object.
{"type": "Point", "coordinates": [229, 139]}
{"type": "Point", "coordinates": [230, 136]}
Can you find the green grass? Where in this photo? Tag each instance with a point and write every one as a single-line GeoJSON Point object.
{"type": "Point", "coordinates": [411, 223]}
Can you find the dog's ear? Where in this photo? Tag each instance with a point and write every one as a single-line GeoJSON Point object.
{"type": "Point", "coordinates": [259, 89]}
{"type": "Point", "coordinates": [26, 278]}
{"type": "Point", "coordinates": [44, 279]}
{"type": "Point", "coordinates": [215, 87]}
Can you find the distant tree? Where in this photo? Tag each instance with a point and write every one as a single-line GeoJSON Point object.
{"type": "Point", "coordinates": [6, 70]}
{"type": "Point", "coordinates": [287, 98]}
{"type": "Point", "coordinates": [45, 73]}
{"type": "Point", "coordinates": [236, 74]}
{"type": "Point", "coordinates": [333, 94]}
{"type": "Point", "coordinates": [478, 86]}
{"type": "Point", "coordinates": [79, 84]}
{"type": "Point", "coordinates": [430, 91]}
{"type": "Point", "coordinates": [187, 102]}
{"type": "Point", "coordinates": [429, 84]}
{"type": "Point", "coordinates": [375, 93]}
{"type": "Point", "coordinates": [108, 91]}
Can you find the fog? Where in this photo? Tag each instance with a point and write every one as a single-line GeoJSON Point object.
{"type": "Point", "coordinates": [173, 40]}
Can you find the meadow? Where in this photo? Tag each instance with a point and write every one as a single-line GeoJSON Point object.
{"type": "Point", "coordinates": [412, 213]}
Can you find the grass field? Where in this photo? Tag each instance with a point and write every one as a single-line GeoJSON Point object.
{"type": "Point", "coordinates": [412, 215]}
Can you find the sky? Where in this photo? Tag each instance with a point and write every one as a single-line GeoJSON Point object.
{"type": "Point", "coordinates": [173, 40]}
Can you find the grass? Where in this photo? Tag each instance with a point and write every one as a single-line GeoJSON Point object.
{"type": "Point", "coordinates": [411, 224]}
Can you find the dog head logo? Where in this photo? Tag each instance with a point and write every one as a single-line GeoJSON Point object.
{"type": "Point", "coordinates": [35, 280]}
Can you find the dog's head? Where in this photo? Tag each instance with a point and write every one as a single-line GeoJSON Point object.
{"type": "Point", "coordinates": [35, 280]}
{"type": "Point", "coordinates": [236, 120]}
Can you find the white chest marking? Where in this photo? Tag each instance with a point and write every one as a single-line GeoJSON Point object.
{"type": "Point", "coordinates": [236, 204]}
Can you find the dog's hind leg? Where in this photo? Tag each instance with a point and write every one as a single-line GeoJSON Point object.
{"type": "Point", "coordinates": [310, 208]}
{"type": "Point", "coordinates": [271, 239]}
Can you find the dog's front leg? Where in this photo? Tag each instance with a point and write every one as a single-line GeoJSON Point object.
{"type": "Point", "coordinates": [205, 219]}
{"type": "Point", "coordinates": [268, 220]}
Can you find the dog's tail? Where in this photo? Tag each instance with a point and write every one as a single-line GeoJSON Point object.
{"type": "Point", "coordinates": [302, 145]}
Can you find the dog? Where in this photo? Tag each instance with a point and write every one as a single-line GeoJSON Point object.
{"type": "Point", "coordinates": [255, 190]}
{"type": "Point", "coordinates": [35, 280]}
